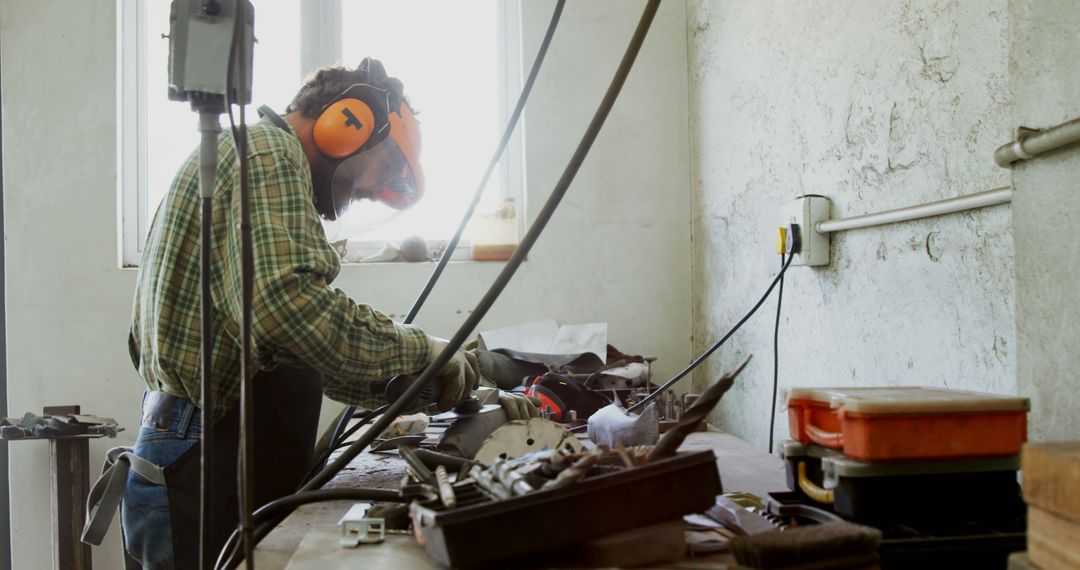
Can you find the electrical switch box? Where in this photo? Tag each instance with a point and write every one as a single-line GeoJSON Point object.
{"type": "Point", "coordinates": [807, 211]}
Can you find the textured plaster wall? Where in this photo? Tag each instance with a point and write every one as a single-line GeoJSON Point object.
{"type": "Point", "coordinates": [1045, 82]}
{"type": "Point", "coordinates": [877, 105]}
{"type": "Point", "coordinates": [623, 223]}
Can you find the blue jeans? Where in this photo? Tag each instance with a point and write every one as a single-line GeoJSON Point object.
{"type": "Point", "coordinates": [145, 516]}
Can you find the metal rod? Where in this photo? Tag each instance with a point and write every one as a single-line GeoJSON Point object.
{"type": "Point", "coordinates": [1031, 143]}
{"type": "Point", "coordinates": [210, 127]}
{"type": "Point", "coordinates": [941, 207]}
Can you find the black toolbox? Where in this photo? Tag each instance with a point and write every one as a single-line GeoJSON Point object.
{"type": "Point", "coordinates": [951, 539]}
{"type": "Point", "coordinates": [913, 490]}
{"type": "Point", "coordinates": [490, 530]}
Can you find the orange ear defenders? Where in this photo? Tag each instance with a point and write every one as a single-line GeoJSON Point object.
{"type": "Point", "coordinates": [360, 118]}
{"type": "Point", "coordinates": [355, 121]}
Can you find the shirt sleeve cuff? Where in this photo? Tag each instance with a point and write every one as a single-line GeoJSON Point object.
{"type": "Point", "coordinates": [414, 346]}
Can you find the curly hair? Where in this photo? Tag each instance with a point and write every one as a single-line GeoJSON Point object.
{"type": "Point", "coordinates": [323, 86]}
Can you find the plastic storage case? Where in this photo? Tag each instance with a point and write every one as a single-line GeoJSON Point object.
{"type": "Point", "coordinates": [489, 531]}
{"type": "Point", "coordinates": [910, 491]}
{"type": "Point", "coordinates": [894, 424]}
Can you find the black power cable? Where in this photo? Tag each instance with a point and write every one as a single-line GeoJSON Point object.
{"type": "Point", "coordinates": [701, 358]}
{"type": "Point", "coordinates": [776, 355]}
{"type": "Point", "coordinates": [497, 287]}
{"type": "Point", "coordinates": [245, 458]}
{"type": "Point", "coordinates": [337, 443]}
{"type": "Point", "coordinates": [448, 251]}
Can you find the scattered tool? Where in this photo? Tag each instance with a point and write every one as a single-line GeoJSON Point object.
{"type": "Point", "coordinates": [419, 470]}
{"type": "Point", "coordinates": [446, 491]}
{"type": "Point", "coordinates": [396, 442]}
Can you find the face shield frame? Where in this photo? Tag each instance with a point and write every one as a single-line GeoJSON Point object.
{"type": "Point", "coordinates": [385, 171]}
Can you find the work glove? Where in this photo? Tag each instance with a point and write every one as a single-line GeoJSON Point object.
{"type": "Point", "coordinates": [517, 406]}
{"type": "Point", "coordinates": [457, 377]}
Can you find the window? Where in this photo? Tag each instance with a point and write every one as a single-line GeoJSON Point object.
{"type": "Point", "coordinates": [459, 61]}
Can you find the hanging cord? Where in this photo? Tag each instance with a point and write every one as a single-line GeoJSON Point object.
{"type": "Point", "coordinates": [497, 287]}
{"type": "Point", "coordinates": [245, 476]}
{"type": "Point", "coordinates": [534, 71]}
{"type": "Point", "coordinates": [776, 355]}
{"type": "Point", "coordinates": [701, 358]}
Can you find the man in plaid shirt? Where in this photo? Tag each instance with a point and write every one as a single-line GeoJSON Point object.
{"type": "Point", "coordinates": [348, 135]}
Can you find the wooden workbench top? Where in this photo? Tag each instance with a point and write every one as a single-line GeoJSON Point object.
{"type": "Point", "coordinates": [742, 468]}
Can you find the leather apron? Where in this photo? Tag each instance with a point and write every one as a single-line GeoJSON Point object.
{"type": "Point", "coordinates": [287, 405]}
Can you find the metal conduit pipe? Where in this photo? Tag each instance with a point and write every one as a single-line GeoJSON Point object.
{"type": "Point", "coordinates": [1030, 143]}
{"type": "Point", "coordinates": [948, 206]}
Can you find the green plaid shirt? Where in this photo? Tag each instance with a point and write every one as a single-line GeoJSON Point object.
{"type": "Point", "coordinates": [298, 319]}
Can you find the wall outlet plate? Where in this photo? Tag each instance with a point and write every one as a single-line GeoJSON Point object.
{"type": "Point", "coordinates": [807, 211]}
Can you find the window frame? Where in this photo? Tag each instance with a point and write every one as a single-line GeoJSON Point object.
{"type": "Point", "coordinates": [132, 152]}
{"type": "Point", "coordinates": [320, 45]}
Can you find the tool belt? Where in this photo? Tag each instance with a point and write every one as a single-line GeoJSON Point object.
{"type": "Point", "coordinates": [108, 491]}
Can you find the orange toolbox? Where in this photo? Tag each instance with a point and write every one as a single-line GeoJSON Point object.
{"type": "Point", "coordinates": [906, 423]}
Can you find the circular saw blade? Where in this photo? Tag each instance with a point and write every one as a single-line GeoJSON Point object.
{"type": "Point", "coordinates": [520, 437]}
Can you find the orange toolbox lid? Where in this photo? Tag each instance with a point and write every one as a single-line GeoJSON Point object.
{"type": "Point", "coordinates": [907, 400]}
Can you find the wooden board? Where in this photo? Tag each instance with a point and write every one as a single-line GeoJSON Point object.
{"type": "Point", "coordinates": [1052, 477]}
{"type": "Point", "coordinates": [1053, 541]}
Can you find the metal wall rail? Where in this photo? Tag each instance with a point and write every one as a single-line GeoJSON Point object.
{"type": "Point", "coordinates": [1030, 143]}
{"type": "Point", "coordinates": [941, 207]}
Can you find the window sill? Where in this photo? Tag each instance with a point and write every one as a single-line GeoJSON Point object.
{"type": "Point", "coordinates": [378, 252]}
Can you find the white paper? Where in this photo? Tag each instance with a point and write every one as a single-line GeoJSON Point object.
{"type": "Point", "coordinates": [547, 337]}
{"type": "Point", "coordinates": [589, 337]}
{"type": "Point", "coordinates": [529, 337]}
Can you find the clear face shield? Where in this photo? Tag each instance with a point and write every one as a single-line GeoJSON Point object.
{"type": "Point", "coordinates": [370, 189]}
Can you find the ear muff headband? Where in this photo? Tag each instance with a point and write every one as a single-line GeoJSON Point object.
{"type": "Point", "coordinates": [356, 120]}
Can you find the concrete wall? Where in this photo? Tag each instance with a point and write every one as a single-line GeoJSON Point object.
{"type": "Point", "coordinates": [877, 105]}
{"type": "Point", "coordinates": [622, 225]}
{"type": "Point", "coordinates": [1045, 84]}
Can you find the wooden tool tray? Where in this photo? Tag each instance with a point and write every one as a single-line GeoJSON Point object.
{"type": "Point", "coordinates": [489, 530]}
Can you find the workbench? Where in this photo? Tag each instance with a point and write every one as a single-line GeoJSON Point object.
{"type": "Point", "coordinates": [742, 468]}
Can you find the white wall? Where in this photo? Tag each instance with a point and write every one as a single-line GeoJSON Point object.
{"type": "Point", "coordinates": [618, 249]}
{"type": "Point", "coordinates": [1045, 84]}
{"type": "Point", "coordinates": [877, 105]}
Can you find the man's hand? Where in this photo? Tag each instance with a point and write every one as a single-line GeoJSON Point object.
{"type": "Point", "coordinates": [457, 378]}
{"type": "Point", "coordinates": [517, 406]}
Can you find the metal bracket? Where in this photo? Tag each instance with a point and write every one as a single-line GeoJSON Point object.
{"type": "Point", "coordinates": [357, 529]}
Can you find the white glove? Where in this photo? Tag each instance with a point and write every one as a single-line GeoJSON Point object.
{"type": "Point", "coordinates": [517, 406]}
{"type": "Point", "coordinates": [458, 377]}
